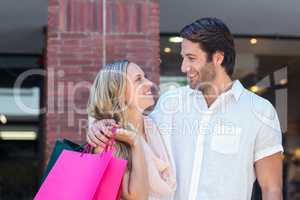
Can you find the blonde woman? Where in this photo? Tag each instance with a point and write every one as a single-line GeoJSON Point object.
{"type": "Point", "coordinates": [121, 93]}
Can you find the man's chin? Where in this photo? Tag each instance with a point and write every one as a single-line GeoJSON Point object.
{"type": "Point", "coordinates": [195, 86]}
{"type": "Point", "coordinates": [192, 85]}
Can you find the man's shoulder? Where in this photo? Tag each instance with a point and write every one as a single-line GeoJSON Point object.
{"type": "Point", "coordinates": [169, 101]}
{"type": "Point", "coordinates": [174, 97]}
{"type": "Point", "coordinates": [260, 106]}
{"type": "Point", "coordinates": [183, 90]}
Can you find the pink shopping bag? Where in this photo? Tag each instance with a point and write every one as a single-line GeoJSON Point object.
{"type": "Point", "coordinates": [110, 185]}
{"type": "Point", "coordinates": [84, 176]}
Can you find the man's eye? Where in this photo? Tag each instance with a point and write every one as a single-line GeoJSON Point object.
{"type": "Point", "coordinates": [191, 59]}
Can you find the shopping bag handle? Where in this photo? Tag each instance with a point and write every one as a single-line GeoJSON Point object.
{"type": "Point", "coordinates": [87, 148]}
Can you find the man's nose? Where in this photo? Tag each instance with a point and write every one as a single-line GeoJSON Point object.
{"type": "Point", "coordinates": [184, 67]}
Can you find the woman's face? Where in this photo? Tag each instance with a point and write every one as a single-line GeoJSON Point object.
{"type": "Point", "coordinates": [138, 89]}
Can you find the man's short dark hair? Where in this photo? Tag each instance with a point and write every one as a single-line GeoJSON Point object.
{"type": "Point", "coordinates": [212, 35]}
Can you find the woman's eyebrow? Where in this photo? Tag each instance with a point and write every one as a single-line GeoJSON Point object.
{"type": "Point", "coordinates": [138, 75]}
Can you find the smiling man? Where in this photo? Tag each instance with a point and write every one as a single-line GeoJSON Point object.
{"type": "Point", "coordinates": [220, 136]}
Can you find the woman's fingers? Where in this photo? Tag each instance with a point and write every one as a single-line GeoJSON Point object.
{"type": "Point", "coordinates": [122, 132]}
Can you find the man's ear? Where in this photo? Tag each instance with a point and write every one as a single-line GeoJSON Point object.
{"type": "Point", "coordinates": [218, 58]}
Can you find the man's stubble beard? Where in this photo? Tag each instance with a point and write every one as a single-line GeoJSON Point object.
{"type": "Point", "coordinates": [207, 76]}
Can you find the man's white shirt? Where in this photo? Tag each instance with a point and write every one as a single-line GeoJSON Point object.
{"type": "Point", "coordinates": [213, 149]}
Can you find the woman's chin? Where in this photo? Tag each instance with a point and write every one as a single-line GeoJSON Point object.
{"type": "Point", "coordinates": [151, 103]}
{"type": "Point", "coordinates": [146, 106]}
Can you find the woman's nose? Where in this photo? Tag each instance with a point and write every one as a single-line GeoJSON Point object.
{"type": "Point", "coordinates": [149, 83]}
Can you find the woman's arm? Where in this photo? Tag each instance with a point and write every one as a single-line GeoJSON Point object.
{"type": "Point", "coordinates": [135, 182]}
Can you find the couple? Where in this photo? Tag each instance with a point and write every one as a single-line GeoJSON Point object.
{"type": "Point", "coordinates": [208, 141]}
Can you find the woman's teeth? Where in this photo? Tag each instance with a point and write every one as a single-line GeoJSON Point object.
{"type": "Point", "coordinates": [148, 93]}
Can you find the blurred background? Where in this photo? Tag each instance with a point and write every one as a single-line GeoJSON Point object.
{"type": "Point", "coordinates": [50, 51]}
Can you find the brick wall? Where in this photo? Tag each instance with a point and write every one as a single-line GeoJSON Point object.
{"type": "Point", "coordinates": [77, 47]}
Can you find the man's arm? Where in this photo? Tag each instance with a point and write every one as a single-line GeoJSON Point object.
{"type": "Point", "coordinates": [268, 153]}
{"type": "Point", "coordinates": [269, 175]}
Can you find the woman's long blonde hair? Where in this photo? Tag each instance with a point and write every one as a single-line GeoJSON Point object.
{"type": "Point", "coordinates": [107, 100]}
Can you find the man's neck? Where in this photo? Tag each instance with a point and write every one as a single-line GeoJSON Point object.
{"type": "Point", "coordinates": [219, 86]}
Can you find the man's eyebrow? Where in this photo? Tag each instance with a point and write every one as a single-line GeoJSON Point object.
{"type": "Point", "coordinates": [188, 54]}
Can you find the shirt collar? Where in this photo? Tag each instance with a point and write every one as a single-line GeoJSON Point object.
{"type": "Point", "coordinates": [236, 90]}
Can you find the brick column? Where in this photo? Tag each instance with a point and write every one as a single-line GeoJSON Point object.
{"type": "Point", "coordinates": [77, 48]}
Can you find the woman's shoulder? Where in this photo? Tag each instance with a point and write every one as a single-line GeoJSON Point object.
{"type": "Point", "coordinates": [148, 119]}
{"type": "Point", "coordinates": [150, 125]}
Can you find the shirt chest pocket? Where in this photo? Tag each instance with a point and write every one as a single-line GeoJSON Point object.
{"type": "Point", "coordinates": [226, 140]}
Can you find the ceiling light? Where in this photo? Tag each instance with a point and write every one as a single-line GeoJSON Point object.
{"type": "Point", "coordinates": [3, 119]}
{"type": "Point", "coordinates": [253, 41]}
{"type": "Point", "coordinates": [175, 39]}
{"type": "Point", "coordinates": [255, 88]}
{"type": "Point", "coordinates": [167, 50]}
{"type": "Point", "coordinates": [18, 135]}
{"type": "Point", "coordinates": [297, 154]}
{"type": "Point", "coordinates": [283, 81]}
